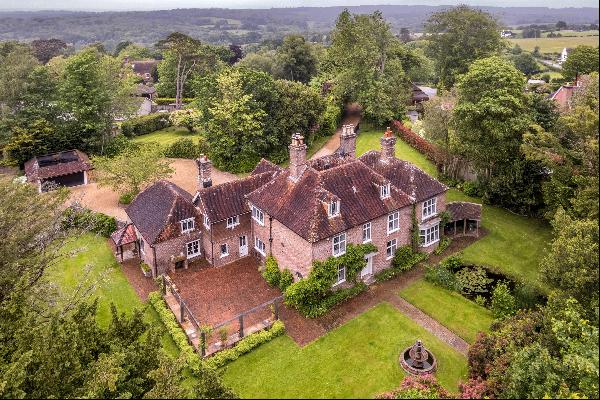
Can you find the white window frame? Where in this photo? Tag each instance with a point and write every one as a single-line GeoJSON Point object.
{"type": "Point", "coordinates": [187, 225]}
{"type": "Point", "coordinates": [234, 221]}
{"type": "Point", "coordinates": [429, 235]}
{"type": "Point", "coordinates": [429, 207]}
{"type": "Point", "coordinates": [340, 242]}
{"type": "Point", "coordinates": [187, 249]}
{"type": "Point", "coordinates": [333, 209]}
{"type": "Point", "coordinates": [366, 232]}
{"type": "Point", "coordinates": [206, 222]}
{"type": "Point", "coordinates": [393, 222]}
{"type": "Point", "coordinates": [258, 244]}
{"type": "Point", "coordinates": [390, 248]}
{"type": "Point", "coordinates": [385, 191]}
{"type": "Point", "coordinates": [341, 275]}
{"type": "Point", "coordinates": [258, 215]}
{"type": "Point", "coordinates": [142, 245]}
{"type": "Point", "coordinates": [226, 249]}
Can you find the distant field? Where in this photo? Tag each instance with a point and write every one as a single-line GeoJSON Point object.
{"type": "Point", "coordinates": [555, 45]}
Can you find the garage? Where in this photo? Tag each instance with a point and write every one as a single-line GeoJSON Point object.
{"type": "Point", "coordinates": [66, 168]}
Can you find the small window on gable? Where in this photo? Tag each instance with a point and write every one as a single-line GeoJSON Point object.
{"type": "Point", "coordinates": [258, 215]}
{"type": "Point", "coordinates": [232, 222]}
{"type": "Point", "coordinates": [187, 225]}
{"type": "Point", "coordinates": [385, 191]}
{"type": "Point", "coordinates": [334, 208]}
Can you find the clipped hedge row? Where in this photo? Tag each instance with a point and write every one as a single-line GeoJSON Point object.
{"type": "Point", "coordinates": [165, 101]}
{"type": "Point", "coordinates": [145, 124]}
{"type": "Point", "coordinates": [335, 298]}
{"type": "Point", "coordinates": [170, 322]}
{"type": "Point", "coordinates": [246, 345]}
{"type": "Point", "coordinates": [88, 220]}
{"type": "Point", "coordinates": [428, 149]}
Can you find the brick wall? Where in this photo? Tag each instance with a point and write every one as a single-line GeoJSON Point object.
{"type": "Point", "coordinates": [220, 234]}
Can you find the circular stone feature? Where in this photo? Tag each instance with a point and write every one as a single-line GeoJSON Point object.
{"type": "Point", "coordinates": [417, 360]}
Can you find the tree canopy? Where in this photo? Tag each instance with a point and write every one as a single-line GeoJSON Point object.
{"type": "Point", "coordinates": [580, 61]}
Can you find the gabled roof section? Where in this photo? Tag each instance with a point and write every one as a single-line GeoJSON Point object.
{"type": "Point", "coordinates": [404, 176]}
{"type": "Point", "coordinates": [158, 206]}
{"type": "Point", "coordinates": [56, 164]}
{"type": "Point", "coordinates": [265, 166]}
{"type": "Point", "coordinates": [124, 236]}
{"type": "Point", "coordinates": [226, 200]}
{"type": "Point", "coordinates": [302, 206]}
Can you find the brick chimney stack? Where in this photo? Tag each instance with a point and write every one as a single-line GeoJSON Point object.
{"type": "Point", "coordinates": [388, 143]}
{"type": "Point", "coordinates": [204, 170]}
{"type": "Point", "coordinates": [297, 156]}
{"type": "Point", "coordinates": [348, 140]}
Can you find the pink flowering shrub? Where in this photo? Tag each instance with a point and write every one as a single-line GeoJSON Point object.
{"type": "Point", "coordinates": [417, 387]}
{"type": "Point", "coordinates": [473, 389]}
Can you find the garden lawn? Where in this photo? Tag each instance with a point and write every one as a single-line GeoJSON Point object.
{"type": "Point", "coordinates": [166, 136]}
{"type": "Point", "coordinates": [93, 252]}
{"type": "Point", "coordinates": [455, 312]}
{"type": "Point", "coordinates": [357, 360]}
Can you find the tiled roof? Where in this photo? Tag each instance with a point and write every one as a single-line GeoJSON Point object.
{"type": "Point", "coordinates": [302, 206]}
{"type": "Point", "coordinates": [124, 236]}
{"type": "Point", "coordinates": [143, 66]}
{"type": "Point", "coordinates": [158, 206]}
{"type": "Point", "coordinates": [265, 166]}
{"type": "Point", "coordinates": [222, 201]}
{"type": "Point", "coordinates": [405, 176]}
{"type": "Point", "coordinates": [464, 210]}
{"type": "Point", "coordinates": [57, 164]}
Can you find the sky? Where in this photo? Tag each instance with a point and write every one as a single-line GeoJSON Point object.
{"type": "Point", "coordinates": [119, 5]}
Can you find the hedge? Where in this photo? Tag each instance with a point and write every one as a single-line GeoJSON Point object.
{"type": "Point", "coordinates": [246, 345]}
{"type": "Point", "coordinates": [444, 243]}
{"type": "Point", "coordinates": [165, 101]}
{"type": "Point", "coordinates": [404, 259]}
{"type": "Point", "coordinates": [185, 148]}
{"type": "Point", "coordinates": [170, 322]}
{"type": "Point", "coordinates": [82, 218]}
{"type": "Point", "coordinates": [428, 149]}
{"type": "Point", "coordinates": [145, 124]}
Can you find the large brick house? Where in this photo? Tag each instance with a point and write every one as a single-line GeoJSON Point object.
{"type": "Point", "coordinates": [309, 211]}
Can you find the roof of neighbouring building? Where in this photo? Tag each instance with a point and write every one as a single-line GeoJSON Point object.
{"type": "Point", "coordinates": [418, 95]}
{"type": "Point", "coordinates": [302, 206]}
{"type": "Point", "coordinates": [57, 164]}
{"type": "Point", "coordinates": [142, 89]}
{"type": "Point", "coordinates": [228, 199]}
{"type": "Point", "coordinates": [143, 67]}
{"type": "Point", "coordinates": [463, 210]}
{"type": "Point", "coordinates": [158, 206]}
{"type": "Point", "coordinates": [405, 176]}
{"type": "Point", "coordinates": [124, 236]}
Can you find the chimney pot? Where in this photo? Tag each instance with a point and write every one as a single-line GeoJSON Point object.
{"type": "Point", "coordinates": [388, 145]}
{"type": "Point", "coordinates": [204, 172]}
{"type": "Point", "coordinates": [348, 140]}
{"type": "Point", "coordinates": [297, 156]}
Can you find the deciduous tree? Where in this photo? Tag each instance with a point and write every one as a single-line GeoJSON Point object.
{"type": "Point", "coordinates": [580, 61]}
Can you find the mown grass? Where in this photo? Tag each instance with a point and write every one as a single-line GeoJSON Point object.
{"type": "Point", "coordinates": [93, 260]}
{"type": "Point", "coordinates": [555, 45]}
{"type": "Point", "coordinates": [167, 136]}
{"type": "Point", "coordinates": [457, 313]}
{"type": "Point", "coordinates": [514, 244]}
{"type": "Point", "coordinates": [357, 360]}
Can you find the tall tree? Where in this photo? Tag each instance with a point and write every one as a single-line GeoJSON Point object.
{"type": "Point", "coordinates": [526, 63]}
{"type": "Point", "coordinates": [459, 36]}
{"type": "Point", "coordinates": [580, 61]}
{"type": "Point", "coordinates": [298, 61]}
{"type": "Point", "coordinates": [16, 63]}
{"type": "Point", "coordinates": [184, 55]}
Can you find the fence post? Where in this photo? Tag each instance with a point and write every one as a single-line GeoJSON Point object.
{"type": "Point", "coordinates": [181, 310]}
{"type": "Point", "coordinates": [276, 310]}
{"type": "Point", "coordinates": [241, 331]}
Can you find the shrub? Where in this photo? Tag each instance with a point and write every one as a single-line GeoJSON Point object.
{"type": "Point", "coordinates": [442, 246]}
{"type": "Point", "coordinates": [188, 118]}
{"type": "Point", "coordinates": [428, 149]}
{"type": "Point", "coordinates": [503, 303]}
{"type": "Point", "coordinates": [144, 124]}
{"type": "Point", "coordinates": [330, 119]}
{"type": "Point", "coordinates": [185, 148]}
{"type": "Point", "coordinates": [480, 300]}
{"type": "Point", "coordinates": [404, 259]}
{"type": "Point", "coordinates": [126, 198]}
{"type": "Point", "coordinates": [145, 267]}
{"type": "Point", "coordinates": [81, 218]}
{"type": "Point", "coordinates": [272, 274]}
{"type": "Point", "coordinates": [417, 387]}
{"type": "Point", "coordinates": [473, 280]}
{"type": "Point", "coordinates": [527, 296]}
{"type": "Point", "coordinates": [168, 319]}
{"type": "Point", "coordinates": [285, 280]}
{"type": "Point", "coordinates": [165, 101]}
{"type": "Point", "coordinates": [246, 345]}
{"type": "Point", "coordinates": [441, 275]}
{"type": "Point", "coordinates": [473, 189]}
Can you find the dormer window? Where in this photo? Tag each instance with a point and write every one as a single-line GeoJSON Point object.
{"type": "Point", "coordinates": [334, 208]}
{"type": "Point", "coordinates": [232, 222]}
{"type": "Point", "coordinates": [385, 191]}
{"type": "Point", "coordinates": [187, 225]}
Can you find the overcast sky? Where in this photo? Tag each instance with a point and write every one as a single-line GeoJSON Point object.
{"type": "Point", "coordinates": [103, 5]}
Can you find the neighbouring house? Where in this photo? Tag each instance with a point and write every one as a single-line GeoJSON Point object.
{"type": "Point", "coordinates": [418, 95]}
{"type": "Point", "coordinates": [145, 69]}
{"type": "Point", "coordinates": [309, 211]}
{"type": "Point", "coordinates": [564, 95]}
{"type": "Point", "coordinates": [564, 54]}
{"type": "Point", "coordinates": [65, 168]}
{"type": "Point", "coordinates": [506, 34]}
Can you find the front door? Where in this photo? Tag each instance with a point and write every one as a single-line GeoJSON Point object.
{"type": "Point", "coordinates": [368, 269]}
{"type": "Point", "coordinates": [243, 246]}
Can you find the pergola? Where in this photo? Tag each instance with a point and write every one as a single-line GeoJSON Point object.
{"type": "Point", "coordinates": [463, 215]}
{"type": "Point", "coordinates": [123, 237]}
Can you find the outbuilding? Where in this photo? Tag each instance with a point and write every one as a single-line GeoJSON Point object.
{"type": "Point", "coordinates": [65, 168]}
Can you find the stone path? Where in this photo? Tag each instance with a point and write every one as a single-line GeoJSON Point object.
{"type": "Point", "coordinates": [334, 142]}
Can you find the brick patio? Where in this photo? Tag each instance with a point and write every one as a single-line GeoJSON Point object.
{"type": "Point", "coordinates": [217, 294]}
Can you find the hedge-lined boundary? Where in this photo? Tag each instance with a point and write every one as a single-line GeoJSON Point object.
{"type": "Point", "coordinates": [428, 149]}
{"type": "Point", "coordinates": [170, 322]}
{"type": "Point", "coordinates": [245, 345]}
{"type": "Point", "coordinates": [165, 101]}
{"type": "Point", "coordinates": [145, 124]}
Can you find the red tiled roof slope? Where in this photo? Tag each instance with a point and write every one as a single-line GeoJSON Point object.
{"type": "Point", "coordinates": [464, 210]}
{"type": "Point", "coordinates": [80, 162]}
